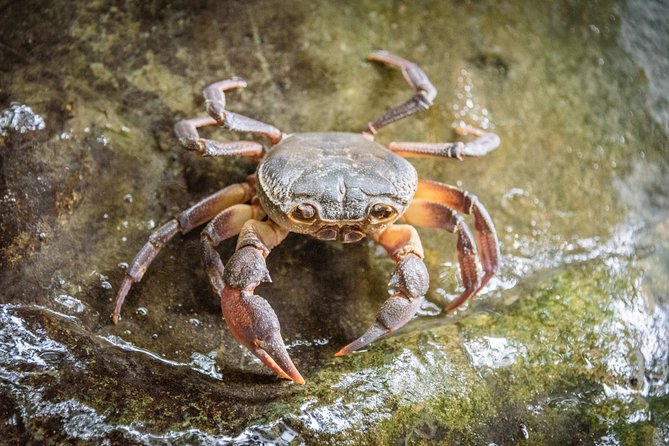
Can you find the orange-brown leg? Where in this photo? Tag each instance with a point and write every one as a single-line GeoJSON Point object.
{"type": "Point", "coordinates": [417, 79]}
{"type": "Point", "coordinates": [467, 203]}
{"type": "Point", "coordinates": [410, 279]}
{"type": "Point", "coordinates": [250, 318]}
{"type": "Point", "coordinates": [484, 143]}
{"type": "Point", "coordinates": [434, 206]}
{"type": "Point", "coordinates": [225, 225]}
{"type": "Point", "coordinates": [192, 217]}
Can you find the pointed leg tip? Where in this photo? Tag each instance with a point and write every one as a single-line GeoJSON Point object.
{"type": "Point", "coordinates": [378, 55]}
{"type": "Point", "coordinates": [356, 345]}
{"type": "Point", "coordinates": [298, 379]}
{"type": "Point", "coordinates": [341, 352]}
{"type": "Point", "coordinates": [350, 348]}
{"type": "Point", "coordinates": [347, 350]}
{"type": "Point", "coordinates": [286, 369]}
{"type": "Point", "coordinates": [462, 128]}
{"type": "Point", "coordinates": [120, 298]}
{"type": "Point", "coordinates": [241, 82]}
{"type": "Point", "coordinates": [374, 332]}
{"type": "Point", "coordinates": [457, 303]}
{"type": "Point", "coordinates": [451, 307]}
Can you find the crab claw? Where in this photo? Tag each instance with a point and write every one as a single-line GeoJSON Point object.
{"type": "Point", "coordinates": [411, 278]}
{"type": "Point", "coordinates": [395, 312]}
{"type": "Point", "coordinates": [255, 325]}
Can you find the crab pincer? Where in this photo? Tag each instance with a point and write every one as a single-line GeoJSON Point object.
{"type": "Point", "coordinates": [411, 280]}
{"type": "Point", "coordinates": [250, 317]}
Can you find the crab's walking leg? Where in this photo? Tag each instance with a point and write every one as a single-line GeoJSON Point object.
{"type": "Point", "coordinates": [417, 79]}
{"type": "Point", "coordinates": [463, 201]}
{"type": "Point", "coordinates": [189, 137]}
{"type": "Point", "coordinates": [214, 100]}
{"type": "Point", "coordinates": [192, 217]}
{"type": "Point", "coordinates": [485, 143]}
{"type": "Point", "coordinates": [430, 214]}
{"type": "Point", "coordinates": [250, 317]}
{"type": "Point", "coordinates": [410, 279]}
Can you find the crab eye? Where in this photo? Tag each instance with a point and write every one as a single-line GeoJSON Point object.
{"type": "Point", "coordinates": [303, 212]}
{"type": "Point", "coordinates": [380, 212]}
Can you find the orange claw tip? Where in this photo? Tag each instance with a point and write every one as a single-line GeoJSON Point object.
{"type": "Point", "coordinates": [348, 350]}
{"type": "Point", "coordinates": [298, 379]}
{"type": "Point", "coordinates": [342, 352]}
{"type": "Point", "coordinates": [292, 373]}
{"type": "Point", "coordinates": [372, 334]}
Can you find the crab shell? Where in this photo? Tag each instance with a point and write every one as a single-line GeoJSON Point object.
{"type": "Point", "coordinates": [342, 176]}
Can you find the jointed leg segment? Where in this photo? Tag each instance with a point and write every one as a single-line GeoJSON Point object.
{"type": "Point", "coordinates": [189, 137]}
{"type": "Point", "coordinates": [214, 98]}
{"type": "Point", "coordinates": [484, 143]}
{"type": "Point", "coordinates": [429, 214]}
{"type": "Point", "coordinates": [410, 279]}
{"type": "Point", "coordinates": [417, 79]}
{"type": "Point", "coordinates": [227, 224]}
{"type": "Point", "coordinates": [434, 205]}
{"type": "Point", "coordinates": [192, 217]}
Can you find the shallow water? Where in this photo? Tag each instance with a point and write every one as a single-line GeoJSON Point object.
{"type": "Point", "coordinates": [566, 345]}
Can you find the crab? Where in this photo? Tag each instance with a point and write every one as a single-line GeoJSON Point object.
{"type": "Point", "coordinates": [331, 186]}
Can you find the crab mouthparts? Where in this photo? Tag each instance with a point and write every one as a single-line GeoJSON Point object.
{"type": "Point", "coordinates": [345, 234]}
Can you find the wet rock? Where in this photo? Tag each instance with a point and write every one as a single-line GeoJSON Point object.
{"type": "Point", "coordinates": [19, 118]}
{"type": "Point", "coordinates": [566, 345]}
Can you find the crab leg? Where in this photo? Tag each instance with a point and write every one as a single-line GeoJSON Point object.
{"type": "Point", "coordinates": [417, 79]}
{"type": "Point", "coordinates": [250, 318]}
{"type": "Point", "coordinates": [410, 279]}
{"type": "Point", "coordinates": [214, 102]}
{"type": "Point", "coordinates": [225, 225]}
{"type": "Point", "coordinates": [189, 137]}
{"type": "Point", "coordinates": [429, 214]}
{"type": "Point", "coordinates": [485, 143]}
{"type": "Point", "coordinates": [192, 217]}
{"type": "Point", "coordinates": [467, 203]}
{"type": "Point", "coordinates": [423, 211]}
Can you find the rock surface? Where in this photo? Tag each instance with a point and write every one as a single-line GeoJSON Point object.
{"type": "Point", "coordinates": [567, 344]}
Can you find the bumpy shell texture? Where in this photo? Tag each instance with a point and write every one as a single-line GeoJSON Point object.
{"type": "Point", "coordinates": [341, 174]}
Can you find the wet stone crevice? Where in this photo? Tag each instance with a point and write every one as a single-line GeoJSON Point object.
{"type": "Point", "coordinates": [566, 345]}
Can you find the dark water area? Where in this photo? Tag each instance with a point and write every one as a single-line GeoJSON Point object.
{"type": "Point", "coordinates": [567, 344]}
